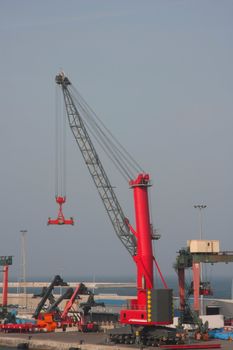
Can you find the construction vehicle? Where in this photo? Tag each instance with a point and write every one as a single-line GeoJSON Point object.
{"type": "Point", "coordinates": [204, 289]}
{"type": "Point", "coordinates": [80, 289]}
{"type": "Point", "coordinates": [52, 317]}
{"type": "Point", "coordinates": [45, 320]}
{"type": "Point", "coordinates": [85, 323]}
{"type": "Point", "coordinates": [80, 319]}
{"type": "Point", "coordinates": [57, 281]}
{"type": "Point", "coordinates": [148, 315]}
{"type": "Point", "coordinates": [54, 306]}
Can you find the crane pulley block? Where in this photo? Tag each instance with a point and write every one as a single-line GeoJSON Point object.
{"type": "Point", "coordinates": [60, 220]}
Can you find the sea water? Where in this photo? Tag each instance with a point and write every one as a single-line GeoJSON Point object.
{"type": "Point", "coordinates": [222, 286]}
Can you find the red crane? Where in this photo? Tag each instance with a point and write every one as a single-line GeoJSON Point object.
{"type": "Point", "coordinates": [80, 289]}
{"type": "Point", "coordinates": [152, 308]}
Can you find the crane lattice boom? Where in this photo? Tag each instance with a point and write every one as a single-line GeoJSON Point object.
{"type": "Point", "coordinates": [95, 167]}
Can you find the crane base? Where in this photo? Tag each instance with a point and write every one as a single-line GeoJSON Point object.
{"type": "Point", "coordinates": [148, 335]}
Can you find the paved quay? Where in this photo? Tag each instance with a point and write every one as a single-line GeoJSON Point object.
{"type": "Point", "coordinates": [58, 340]}
{"type": "Point", "coordinates": [82, 341]}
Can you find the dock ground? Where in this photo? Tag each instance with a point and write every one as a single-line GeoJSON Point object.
{"type": "Point", "coordinates": [74, 339]}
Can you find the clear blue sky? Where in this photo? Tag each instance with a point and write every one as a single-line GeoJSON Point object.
{"type": "Point", "coordinates": [159, 74]}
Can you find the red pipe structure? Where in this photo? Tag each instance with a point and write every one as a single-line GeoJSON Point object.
{"type": "Point", "coordinates": [140, 310]}
{"type": "Point", "coordinates": [196, 286]}
{"type": "Point", "coordinates": [80, 289]}
{"type": "Point", "coordinates": [5, 285]}
{"type": "Point", "coordinates": [144, 257]}
{"type": "Point", "coordinates": [160, 273]}
{"type": "Point", "coordinates": [181, 278]}
{"type": "Point", "coordinates": [5, 262]}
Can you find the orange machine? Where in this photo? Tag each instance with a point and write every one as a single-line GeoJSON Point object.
{"type": "Point", "coordinates": [46, 322]}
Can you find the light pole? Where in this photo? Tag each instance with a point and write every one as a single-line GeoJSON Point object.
{"type": "Point", "coordinates": [201, 207]}
{"type": "Point", "coordinates": [23, 263]}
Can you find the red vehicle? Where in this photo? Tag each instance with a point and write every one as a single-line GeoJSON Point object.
{"type": "Point", "coordinates": [81, 320]}
{"type": "Point", "coordinates": [52, 317]}
{"type": "Point", "coordinates": [18, 328]}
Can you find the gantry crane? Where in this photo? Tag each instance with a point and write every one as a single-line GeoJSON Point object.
{"type": "Point", "coordinates": [151, 310]}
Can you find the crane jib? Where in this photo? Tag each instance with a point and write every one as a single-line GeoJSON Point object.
{"type": "Point", "coordinates": [96, 169]}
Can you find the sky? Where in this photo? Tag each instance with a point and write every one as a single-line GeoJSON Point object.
{"type": "Point", "coordinates": [159, 75]}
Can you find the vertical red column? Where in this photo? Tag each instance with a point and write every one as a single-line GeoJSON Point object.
{"type": "Point", "coordinates": [5, 285]}
{"type": "Point", "coordinates": [144, 258]}
{"type": "Point", "coordinates": [181, 278]}
{"type": "Point", "coordinates": [196, 286]}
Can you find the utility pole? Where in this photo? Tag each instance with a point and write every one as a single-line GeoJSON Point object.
{"type": "Point", "coordinates": [201, 207]}
{"type": "Point", "coordinates": [23, 265]}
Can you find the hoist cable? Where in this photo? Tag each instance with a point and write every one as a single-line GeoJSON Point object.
{"type": "Point", "coordinates": [106, 151]}
{"type": "Point", "coordinates": [90, 114]}
{"type": "Point", "coordinates": [60, 170]}
{"type": "Point", "coordinates": [56, 140]}
{"type": "Point", "coordinates": [64, 168]}
{"type": "Point", "coordinates": [60, 145]}
{"type": "Point", "coordinates": [102, 140]}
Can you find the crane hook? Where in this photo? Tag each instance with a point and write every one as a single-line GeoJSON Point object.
{"type": "Point", "coordinates": [60, 220]}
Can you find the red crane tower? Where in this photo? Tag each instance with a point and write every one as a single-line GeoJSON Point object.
{"type": "Point", "coordinates": [5, 261]}
{"type": "Point", "coordinates": [151, 310]}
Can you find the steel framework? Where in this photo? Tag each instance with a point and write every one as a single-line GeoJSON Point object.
{"type": "Point", "coordinates": [138, 242]}
{"type": "Point", "coordinates": [185, 260]}
{"type": "Point", "coordinates": [96, 169]}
